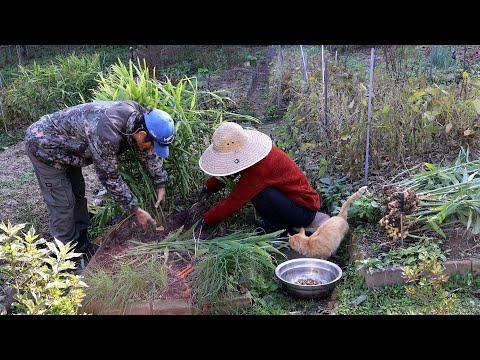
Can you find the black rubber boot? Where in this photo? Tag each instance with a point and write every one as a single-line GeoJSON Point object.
{"type": "Point", "coordinates": [82, 242]}
{"type": "Point", "coordinates": [86, 248]}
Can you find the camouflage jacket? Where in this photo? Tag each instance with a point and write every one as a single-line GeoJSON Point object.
{"type": "Point", "coordinates": [97, 133]}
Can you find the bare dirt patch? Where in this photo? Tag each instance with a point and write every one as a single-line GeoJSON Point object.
{"type": "Point", "coordinates": [20, 197]}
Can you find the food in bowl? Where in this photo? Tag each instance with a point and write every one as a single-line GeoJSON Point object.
{"type": "Point", "coordinates": [308, 278]}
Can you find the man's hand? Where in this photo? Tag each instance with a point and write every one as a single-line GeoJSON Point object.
{"type": "Point", "coordinates": [145, 219]}
{"type": "Point", "coordinates": [160, 198]}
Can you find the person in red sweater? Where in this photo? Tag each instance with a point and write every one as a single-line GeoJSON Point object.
{"type": "Point", "coordinates": [279, 191]}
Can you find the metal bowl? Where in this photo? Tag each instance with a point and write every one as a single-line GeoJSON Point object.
{"type": "Point", "coordinates": [310, 270]}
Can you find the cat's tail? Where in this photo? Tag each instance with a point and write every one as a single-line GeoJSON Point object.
{"type": "Point", "coordinates": [346, 205]}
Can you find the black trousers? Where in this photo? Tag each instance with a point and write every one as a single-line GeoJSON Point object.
{"type": "Point", "coordinates": [279, 212]}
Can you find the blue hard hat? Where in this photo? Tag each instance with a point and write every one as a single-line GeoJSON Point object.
{"type": "Point", "coordinates": [161, 128]}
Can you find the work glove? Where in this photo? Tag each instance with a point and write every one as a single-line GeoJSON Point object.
{"type": "Point", "coordinates": [201, 205]}
{"type": "Point", "coordinates": [204, 194]}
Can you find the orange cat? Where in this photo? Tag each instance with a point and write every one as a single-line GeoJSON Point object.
{"type": "Point", "coordinates": [327, 238]}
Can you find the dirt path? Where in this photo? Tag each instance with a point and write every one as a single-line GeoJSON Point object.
{"type": "Point", "coordinates": [20, 197]}
{"type": "Point", "coordinates": [259, 91]}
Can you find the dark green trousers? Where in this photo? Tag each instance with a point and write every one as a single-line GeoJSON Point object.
{"type": "Point", "coordinates": [64, 194]}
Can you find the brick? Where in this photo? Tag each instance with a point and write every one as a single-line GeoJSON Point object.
{"type": "Point", "coordinates": [96, 308]}
{"type": "Point", "coordinates": [241, 301]}
{"type": "Point", "coordinates": [171, 307]}
{"type": "Point", "coordinates": [381, 277]}
{"type": "Point", "coordinates": [91, 308]}
{"type": "Point", "coordinates": [353, 250]}
{"type": "Point", "coordinates": [143, 308]}
{"type": "Point", "coordinates": [457, 266]}
{"type": "Point", "coordinates": [112, 312]}
{"type": "Point", "coordinates": [476, 266]}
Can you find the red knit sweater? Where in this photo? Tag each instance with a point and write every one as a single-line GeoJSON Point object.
{"type": "Point", "coordinates": [278, 170]}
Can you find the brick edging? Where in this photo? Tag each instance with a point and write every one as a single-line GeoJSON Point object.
{"type": "Point", "coordinates": [393, 275]}
{"type": "Point", "coordinates": [173, 307]}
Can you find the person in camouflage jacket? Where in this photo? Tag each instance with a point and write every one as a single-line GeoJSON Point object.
{"type": "Point", "coordinates": [60, 144]}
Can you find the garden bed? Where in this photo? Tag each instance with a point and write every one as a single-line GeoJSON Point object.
{"type": "Point", "coordinates": [176, 297]}
{"type": "Point", "coordinates": [460, 247]}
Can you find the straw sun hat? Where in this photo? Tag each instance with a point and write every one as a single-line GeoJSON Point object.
{"type": "Point", "coordinates": [233, 149]}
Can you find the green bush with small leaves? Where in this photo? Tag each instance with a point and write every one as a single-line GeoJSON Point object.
{"type": "Point", "coordinates": [38, 272]}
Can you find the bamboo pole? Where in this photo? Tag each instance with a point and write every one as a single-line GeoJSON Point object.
{"type": "Point", "coordinates": [325, 90]}
{"type": "Point", "coordinates": [305, 79]}
{"type": "Point", "coordinates": [431, 63]}
{"type": "Point", "coordinates": [304, 60]}
{"type": "Point", "coordinates": [372, 61]}
{"type": "Point", "coordinates": [323, 70]}
{"type": "Point", "coordinates": [279, 71]}
{"type": "Point", "coordinates": [454, 56]}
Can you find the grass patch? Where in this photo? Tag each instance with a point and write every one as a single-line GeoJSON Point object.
{"type": "Point", "coordinates": [393, 299]}
{"type": "Point", "coordinates": [28, 176]}
{"type": "Point", "coordinates": [140, 278]}
{"type": "Point", "coordinates": [224, 272]}
{"type": "Point", "coordinates": [11, 138]}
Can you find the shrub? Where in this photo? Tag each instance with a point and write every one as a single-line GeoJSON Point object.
{"type": "Point", "coordinates": [37, 270]}
{"type": "Point", "coordinates": [43, 89]}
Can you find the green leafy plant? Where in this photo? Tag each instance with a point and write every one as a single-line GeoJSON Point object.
{"type": "Point", "coordinates": [195, 113]}
{"type": "Point", "coordinates": [449, 195]}
{"type": "Point", "coordinates": [203, 71]}
{"type": "Point", "coordinates": [272, 112]}
{"type": "Point", "coordinates": [225, 272]}
{"type": "Point", "coordinates": [225, 263]}
{"type": "Point", "coordinates": [365, 210]}
{"type": "Point", "coordinates": [411, 120]}
{"type": "Point", "coordinates": [101, 216]}
{"type": "Point", "coordinates": [39, 272]}
{"type": "Point", "coordinates": [424, 280]}
{"type": "Point", "coordinates": [262, 285]}
{"type": "Point", "coordinates": [333, 195]}
{"type": "Point", "coordinates": [43, 89]}
{"type": "Point", "coordinates": [424, 248]}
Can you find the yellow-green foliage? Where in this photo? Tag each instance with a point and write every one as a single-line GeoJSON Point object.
{"type": "Point", "coordinates": [424, 281]}
{"type": "Point", "coordinates": [38, 272]}
{"type": "Point", "coordinates": [410, 119]}
{"type": "Point", "coordinates": [43, 89]}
